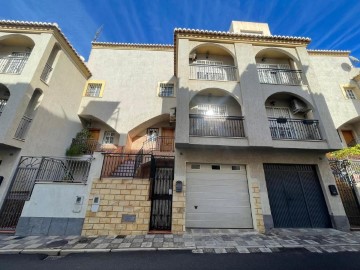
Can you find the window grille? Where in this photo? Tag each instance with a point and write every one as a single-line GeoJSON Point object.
{"type": "Point", "coordinates": [109, 137]}
{"type": "Point", "coordinates": [211, 109]}
{"type": "Point", "coordinates": [166, 90]}
{"type": "Point", "coordinates": [350, 94]}
{"type": "Point", "coordinates": [93, 90]}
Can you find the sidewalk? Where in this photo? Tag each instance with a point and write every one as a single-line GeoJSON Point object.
{"type": "Point", "coordinates": [197, 240]}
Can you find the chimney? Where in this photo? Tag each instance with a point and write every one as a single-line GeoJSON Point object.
{"type": "Point", "coordinates": [239, 27]}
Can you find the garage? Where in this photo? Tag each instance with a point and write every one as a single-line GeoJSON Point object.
{"type": "Point", "coordinates": [217, 196]}
{"type": "Point", "coordinates": [295, 196]}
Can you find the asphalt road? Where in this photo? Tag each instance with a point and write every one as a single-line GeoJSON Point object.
{"type": "Point", "coordinates": [175, 260]}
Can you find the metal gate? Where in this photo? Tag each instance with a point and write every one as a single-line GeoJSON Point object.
{"type": "Point", "coordinates": [162, 175]}
{"type": "Point", "coordinates": [295, 195]}
{"type": "Point", "coordinates": [19, 192]}
{"type": "Point", "coordinates": [346, 173]}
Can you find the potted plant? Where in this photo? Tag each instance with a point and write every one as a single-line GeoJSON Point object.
{"type": "Point", "coordinates": [79, 145]}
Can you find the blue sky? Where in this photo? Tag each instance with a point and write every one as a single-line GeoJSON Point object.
{"type": "Point", "coordinates": [330, 24]}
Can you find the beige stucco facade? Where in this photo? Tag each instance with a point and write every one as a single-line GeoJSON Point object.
{"type": "Point", "coordinates": [247, 80]}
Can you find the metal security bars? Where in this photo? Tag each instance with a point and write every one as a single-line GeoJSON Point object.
{"type": "Point", "coordinates": [294, 129]}
{"type": "Point", "coordinates": [93, 90]}
{"type": "Point", "coordinates": [23, 128]}
{"type": "Point", "coordinates": [46, 73]}
{"type": "Point", "coordinates": [14, 63]}
{"type": "Point", "coordinates": [126, 165]}
{"type": "Point", "coordinates": [347, 174]}
{"type": "Point", "coordinates": [39, 169]}
{"type": "Point", "coordinates": [2, 105]}
{"type": "Point", "coordinates": [216, 126]}
{"type": "Point", "coordinates": [166, 90]}
{"type": "Point", "coordinates": [213, 72]}
{"type": "Point", "coordinates": [280, 76]}
{"type": "Point", "coordinates": [73, 170]}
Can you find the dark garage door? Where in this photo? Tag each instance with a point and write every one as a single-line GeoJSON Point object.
{"type": "Point", "coordinates": [295, 195]}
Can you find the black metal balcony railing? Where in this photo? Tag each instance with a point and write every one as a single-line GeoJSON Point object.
{"type": "Point", "coordinates": [280, 76]}
{"type": "Point", "coordinates": [212, 72]}
{"type": "Point", "coordinates": [23, 128]}
{"type": "Point", "coordinates": [13, 64]}
{"type": "Point", "coordinates": [216, 126]}
{"type": "Point", "coordinates": [46, 73]}
{"type": "Point", "coordinates": [159, 143]}
{"type": "Point", "coordinates": [294, 129]}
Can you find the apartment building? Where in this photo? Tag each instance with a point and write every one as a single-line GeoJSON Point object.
{"type": "Point", "coordinates": [252, 127]}
{"type": "Point", "coordinates": [218, 130]}
{"type": "Point", "coordinates": [39, 71]}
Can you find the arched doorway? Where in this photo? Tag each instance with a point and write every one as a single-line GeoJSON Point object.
{"type": "Point", "coordinates": [215, 113]}
{"type": "Point", "coordinates": [291, 118]}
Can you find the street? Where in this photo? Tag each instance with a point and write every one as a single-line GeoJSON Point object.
{"type": "Point", "coordinates": [296, 259]}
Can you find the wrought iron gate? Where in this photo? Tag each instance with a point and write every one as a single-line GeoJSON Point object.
{"type": "Point", "coordinates": [346, 173]}
{"type": "Point", "coordinates": [295, 196]}
{"type": "Point", "coordinates": [162, 175]}
{"type": "Point", "coordinates": [19, 192]}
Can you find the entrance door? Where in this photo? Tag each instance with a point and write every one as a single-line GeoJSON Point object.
{"type": "Point", "coordinates": [295, 195]}
{"type": "Point", "coordinates": [94, 134]}
{"type": "Point", "coordinates": [167, 140]}
{"type": "Point", "coordinates": [162, 176]}
{"type": "Point", "coordinates": [349, 137]}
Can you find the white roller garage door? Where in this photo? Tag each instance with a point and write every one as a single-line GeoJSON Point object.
{"type": "Point", "coordinates": [217, 196]}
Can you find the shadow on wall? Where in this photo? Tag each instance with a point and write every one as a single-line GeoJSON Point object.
{"type": "Point", "coordinates": [105, 111]}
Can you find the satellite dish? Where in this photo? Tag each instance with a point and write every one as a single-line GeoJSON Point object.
{"type": "Point", "coordinates": [354, 59]}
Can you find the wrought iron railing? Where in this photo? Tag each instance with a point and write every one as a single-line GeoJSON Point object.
{"type": "Point", "coordinates": [294, 129]}
{"type": "Point", "coordinates": [126, 165]}
{"type": "Point", "coordinates": [46, 72]}
{"type": "Point", "coordinates": [23, 128]}
{"type": "Point", "coordinates": [64, 169]}
{"type": "Point", "coordinates": [13, 64]}
{"type": "Point", "coordinates": [159, 143]}
{"type": "Point", "coordinates": [2, 105]}
{"type": "Point", "coordinates": [216, 126]}
{"type": "Point", "coordinates": [213, 72]}
{"type": "Point", "coordinates": [280, 76]}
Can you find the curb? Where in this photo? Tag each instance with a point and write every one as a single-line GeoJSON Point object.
{"type": "Point", "coordinates": [49, 252]}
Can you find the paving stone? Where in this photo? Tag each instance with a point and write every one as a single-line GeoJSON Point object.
{"type": "Point", "coordinates": [209, 250]}
{"type": "Point", "coordinates": [136, 244]}
{"type": "Point", "coordinates": [80, 246]}
{"type": "Point", "coordinates": [102, 246]}
{"type": "Point", "coordinates": [146, 244]}
{"type": "Point", "coordinates": [124, 245]}
{"type": "Point", "coordinates": [158, 244]}
{"type": "Point", "coordinates": [158, 240]}
{"type": "Point", "coordinates": [254, 250]}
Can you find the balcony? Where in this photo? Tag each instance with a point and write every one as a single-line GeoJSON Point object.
{"type": "Point", "coordinates": [14, 63]}
{"type": "Point", "coordinates": [159, 144]}
{"type": "Point", "coordinates": [23, 128]}
{"type": "Point", "coordinates": [294, 129]}
{"type": "Point", "coordinates": [46, 73]}
{"type": "Point", "coordinates": [212, 72]}
{"type": "Point", "coordinates": [280, 76]}
{"type": "Point", "coordinates": [216, 126]}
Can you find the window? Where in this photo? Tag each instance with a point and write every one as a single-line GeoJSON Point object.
{"type": "Point", "coordinates": [350, 93]}
{"type": "Point", "coordinates": [152, 134]}
{"type": "Point", "coordinates": [215, 167]}
{"type": "Point", "coordinates": [94, 89]}
{"type": "Point", "coordinates": [195, 166]}
{"type": "Point", "coordinates": [166, 90]}
{"type": "Point", "coordinates": [109, 137]}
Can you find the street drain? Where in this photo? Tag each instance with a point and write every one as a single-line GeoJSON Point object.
{"type": "Point", "coordinates": [18, 237]}
{"type": "Point", "coordinates": [53, 258]}
{"type": "Point", "coordinates": [120, 236]}
{"type": "Point", "coordinates": [58, 243]}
